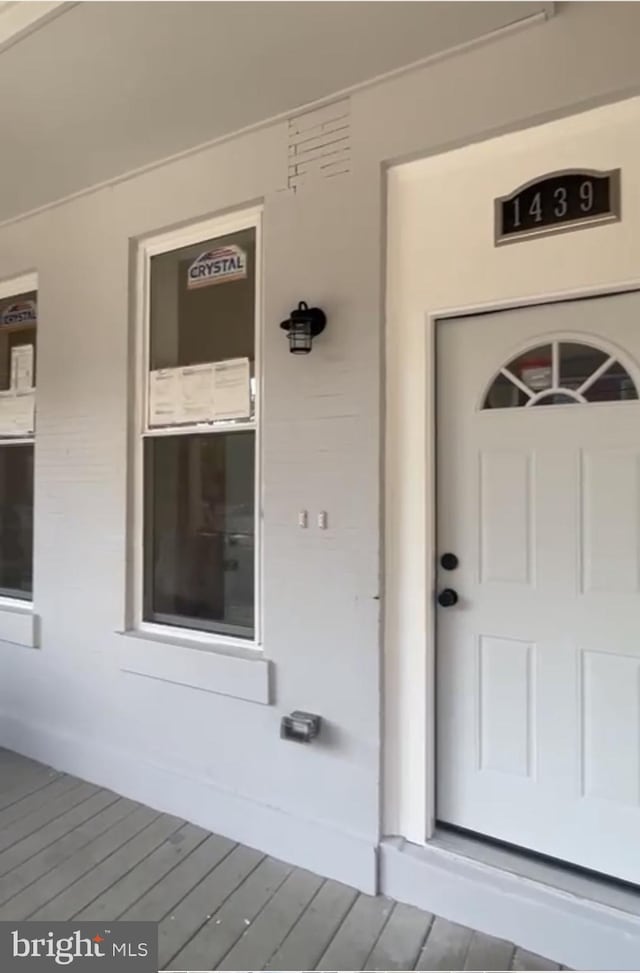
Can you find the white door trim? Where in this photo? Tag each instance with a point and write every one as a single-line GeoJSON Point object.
{"type": "Point", "coordinates": [411, 716]}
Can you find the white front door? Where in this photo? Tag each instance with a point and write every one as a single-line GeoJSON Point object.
{"type": "Point", "coordinates": [539, 500]}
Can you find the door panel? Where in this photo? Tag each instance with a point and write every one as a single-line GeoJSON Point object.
{"type": "Point", "coordinates": [538, 675]}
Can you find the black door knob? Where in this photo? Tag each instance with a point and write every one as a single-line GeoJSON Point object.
{"type": "Point", "coordinates": [448, 597]}
{"type": "Point", "coordinates": [449, 562]}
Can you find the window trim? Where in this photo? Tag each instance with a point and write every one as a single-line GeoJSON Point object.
{"type": "Point", "coordinates": [147, 248]}
{"type": "Point", "coordinates": [11, 287]}
{"type": "Point", "coordinates": [21, 284]}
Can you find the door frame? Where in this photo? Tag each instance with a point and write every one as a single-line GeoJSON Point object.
{"type": "Point", "coordinates": [417, 801]}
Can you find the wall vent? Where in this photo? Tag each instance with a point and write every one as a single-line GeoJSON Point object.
{"type": "Point", "coordinates": [320, 144]}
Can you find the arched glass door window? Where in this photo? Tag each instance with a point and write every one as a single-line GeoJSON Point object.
{"type": "Point", "coordinates": [560, 373]}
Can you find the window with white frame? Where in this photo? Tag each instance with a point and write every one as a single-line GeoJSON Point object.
{"type": "Point", "coordinates": [18, 321]}
{"type": "Point", "coordinates": [199, 432]}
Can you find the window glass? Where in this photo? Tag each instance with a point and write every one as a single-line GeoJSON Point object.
{"type": "Point", "coordinates": [615, 384]}
{"type": "Point", "coordinates": [18, 320]}
{"type": "Point", "coordinates": [202, 302]}
{"type": "Point", "coordinates": [199, 531]}
{"type": "Point", "coordinates": [582, 373]}
{"type": "Point", "coordinates": [16, 520]}
{"type": "Point", "coordinates": [578, 362]}
{"type": "Point", "coordinates": [199, 437]}
{"type": "Point", "coordinates": [533, 368]}
{"type": "Point", "coordinates": [504, 394]}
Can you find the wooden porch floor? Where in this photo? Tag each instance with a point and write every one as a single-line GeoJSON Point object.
{"type": "Point", "coordinates": [69, 849]}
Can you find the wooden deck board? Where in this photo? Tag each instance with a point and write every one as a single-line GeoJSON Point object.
{"type": "Point", "coordinates": [19, 783]}
{"type": "Point", "coordinates": [524, 960]}
{"type": "Point", "coordinates": [197, 907]}
{"type": "Point", "coordinates": [358, 934]}
{"type": "Point", "coordinates": [488, 953]}
{"type": "Point", "coordinates": [36, 895]}
{"type": "Point", "coordinates": [102, 876]}
{"type": "Point", "coordinates": [34, 841]}
{"type": "Point", "coordinates": [401, 940]}
{"type": "Point", "coordinates": [163, 897]}
{"type": "Point", "coordinates": [314, 930]}
{"type": "Point", "coordinates": [45, 814]}
{"type": "Point", "coordinates": [62, 849]}
{"type": "Point", "coordinates": [131, 887]}
{"type": "Point", "coordinates": [50, 789]}
{"type": "Point", "coordinates": [221, 932]}
{"type": "Point", "coordinates": [446, 947]}
{"type": "Point", "coordinates": [262, 937]}
{"type": "Point", "coordinates": [70, 849]}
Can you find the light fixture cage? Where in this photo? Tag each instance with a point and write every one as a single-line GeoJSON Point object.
{"type": "Point", "coordinates": [303, 325]}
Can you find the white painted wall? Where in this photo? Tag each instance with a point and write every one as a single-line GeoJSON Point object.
{"type": "Point", "coordinates": [442, 256]}
{"type": "Point", "coordinates": [217, 759]}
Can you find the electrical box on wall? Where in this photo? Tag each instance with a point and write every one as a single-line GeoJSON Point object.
{"type": "Point", "coordinates": [300, 726]}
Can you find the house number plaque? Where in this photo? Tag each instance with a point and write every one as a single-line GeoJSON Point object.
{"type": "Point", "coordinates": [558, 202]}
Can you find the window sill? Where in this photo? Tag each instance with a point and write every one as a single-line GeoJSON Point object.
{"type": "Point", "coordinates": [241, 673]}
{"type": "Point", "coordinates": [18, 624]}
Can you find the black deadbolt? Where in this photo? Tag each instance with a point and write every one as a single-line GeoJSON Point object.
{"type": "Point", "coordinates": [449, 562]}
{"type": "Point", "coordinates": [448, 597]}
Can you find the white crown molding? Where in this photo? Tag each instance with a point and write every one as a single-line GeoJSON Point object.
{"type": "Point", "coordinates": [17, 19]}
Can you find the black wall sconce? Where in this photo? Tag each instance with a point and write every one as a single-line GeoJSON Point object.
{"type": "Point", "coordinates": [304, 324]}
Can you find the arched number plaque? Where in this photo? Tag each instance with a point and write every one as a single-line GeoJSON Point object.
{"type": "Point", "coordinates": [557, 202]}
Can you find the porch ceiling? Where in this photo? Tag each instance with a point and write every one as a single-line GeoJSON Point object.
{"type": "Point", "coordinates": [104, 88]}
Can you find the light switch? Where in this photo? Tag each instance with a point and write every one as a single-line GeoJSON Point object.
{"type": "Point", "coordinates": [322, 520]}
{"type": "Point", "coordinates": [303, 518]}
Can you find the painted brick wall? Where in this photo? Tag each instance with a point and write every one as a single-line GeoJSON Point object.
{"type": "Point", "coordinates": [213, 758]}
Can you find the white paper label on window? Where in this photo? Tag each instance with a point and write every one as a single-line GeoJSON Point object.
{"type": "Point", "coordinates": [17, 413]}
{"type": "Point", "coordinates": [22, 368]}
{"type": "Point", "coordinates": [232, 398]}
{"type": "Point", "coordinates": [200, 393]}
{"type": "Point", "coordinates": [197, 393]}
{"type": "Point", "coordinates": [164, 397]}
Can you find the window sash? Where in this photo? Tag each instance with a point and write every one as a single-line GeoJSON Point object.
{"type": "Point", "coordinates": [200, 233]}
{"type": "Point", "coordinates": [161, 624]}
{"type": "Point", "coordinates": [187, 623]}
{"type": "Point", "coordinates": [200, 540]}
{"type": "Point", "coordinates": [24, 284]}
{"type": "Point", "coordinates": [17, 595]}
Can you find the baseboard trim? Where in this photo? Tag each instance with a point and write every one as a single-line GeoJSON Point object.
{"type": "Point", "coordinates": [307, 844]}
{"type": "Point", "coordinates": [576, 932]}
